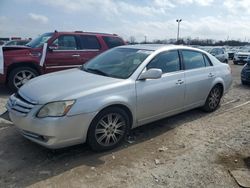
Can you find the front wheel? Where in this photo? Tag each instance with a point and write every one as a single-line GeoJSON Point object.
{"type": "Point", "coordinates": [19, 76]}
{"type": "Point", "coordinates": [213, 99]}
{"type": "Point", "coordinates": [108, 129]}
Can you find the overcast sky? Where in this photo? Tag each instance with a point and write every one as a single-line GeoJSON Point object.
{"type": "Point", "coordinates": [156, 19]}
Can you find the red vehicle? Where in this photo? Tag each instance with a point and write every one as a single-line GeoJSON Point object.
{"type": "Point", "coordinates": [51, 52]}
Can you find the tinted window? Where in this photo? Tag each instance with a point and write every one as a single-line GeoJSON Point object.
{"type": "Point", "coordinates": [66, 42]}
{"type": "Point", "coordinates": [192, 59]}
{"type": "Point", "coordinates": [166, 61]}
{"type": "Point", "coordinates": [90, 42]}
{"type": "Point", "coordinates": [113, 41]}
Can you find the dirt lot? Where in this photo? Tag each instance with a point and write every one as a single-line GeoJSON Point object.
{"type": "Point", "coordinates": [193, 149]}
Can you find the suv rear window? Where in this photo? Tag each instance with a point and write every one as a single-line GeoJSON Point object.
{"type": "Point", "coordinates": [113, 41]}
{"type": "Point", "coordinates": [90, 42]}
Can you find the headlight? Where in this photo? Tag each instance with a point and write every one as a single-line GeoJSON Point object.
{"type": "Point", "coordinates": [55, 109]}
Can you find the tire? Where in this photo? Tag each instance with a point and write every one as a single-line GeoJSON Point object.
{"type": "Point", "coordinates": [235, 63]}
{"type": "Point", "coordinates": [213, 99]}
{"type": "Point", "coordinates": [109, 134]}
{"type": "Point", "coordinates": [19, 76]}
{"type": "Point", "coordinates": [226, 61]}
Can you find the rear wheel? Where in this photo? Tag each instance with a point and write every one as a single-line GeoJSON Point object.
{"type": "Point", "coordinates": [213, 99]}
{"type": "Point", "coordinates": [108, 129]}
{"type": "Point", "coordinates": [19, 76]}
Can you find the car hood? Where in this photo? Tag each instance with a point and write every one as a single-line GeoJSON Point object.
{"type": "Point", "coordinates": [64, 85]}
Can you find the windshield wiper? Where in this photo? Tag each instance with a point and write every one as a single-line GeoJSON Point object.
{"type": "Point", "coordinates": [96, 71]}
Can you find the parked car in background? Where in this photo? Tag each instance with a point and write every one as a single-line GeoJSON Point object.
{"type": "Point", "coordinates": [245, 73]}
{"type": "Point", "coordinates": [16, 42]}
{"type": "Point", "coordinates": [241, 56]}
{"type": "Point", "coordinates": [52, 52]}
{"type": "Point", "coordinates": [122, 88]}
{"type": "Point", "coordinates": [2, 42]}
{"type": "Point", "coordinates": [231, 53]}
{"type": "Point", "coordinates": [220, 54]}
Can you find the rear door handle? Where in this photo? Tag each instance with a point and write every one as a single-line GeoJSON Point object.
{"type": "Point", "coordinates": [210, 75]}
{"type": "Point", "coordinates": [179, 82]}
{"type": "Point", "coordinates": [75, 55]}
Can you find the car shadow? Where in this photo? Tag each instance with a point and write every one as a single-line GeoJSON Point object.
{"type": "Point", "coordinates": [25, 163]}
{"type": "Point", "coordinates": [4, 91]}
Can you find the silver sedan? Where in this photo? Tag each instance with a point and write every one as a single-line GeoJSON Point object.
{"type": "Point", "coordinates": [121, 89]}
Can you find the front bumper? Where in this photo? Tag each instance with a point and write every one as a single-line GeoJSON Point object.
{"type": "Point", "coordinates": [53, 133]}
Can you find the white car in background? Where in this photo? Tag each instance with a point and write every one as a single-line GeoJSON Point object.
{"type": "Point", "coordinates": [241, 56]}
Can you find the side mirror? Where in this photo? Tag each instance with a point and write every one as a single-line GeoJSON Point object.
{"type": "Point", "coordinates": [151, 74]}
{"type": "Point", "coordinates": [52, 48]}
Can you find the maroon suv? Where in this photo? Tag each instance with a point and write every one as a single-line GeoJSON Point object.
{"type": "Point", "coordinates": [52, 52]}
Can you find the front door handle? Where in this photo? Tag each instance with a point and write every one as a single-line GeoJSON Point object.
{"type": "Point", "coordinates": [75, 55]}
{"type": "Point", "coordinates": [210, 75]}
{"type": "Point", "coordinates": [179, 82]}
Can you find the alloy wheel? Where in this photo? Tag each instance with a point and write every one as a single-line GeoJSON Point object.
{"type": "Point", "coordinates": [23, 77]}
{"type": "Point", "coordinates": [110, 129]}
{"type": "Point", "coordinates": [214, 98]}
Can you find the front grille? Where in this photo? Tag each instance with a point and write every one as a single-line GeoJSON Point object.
{"type": "Point", "coordinates": [20, 105]}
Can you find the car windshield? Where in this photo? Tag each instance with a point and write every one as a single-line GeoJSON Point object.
{"type": "Point", "coordinates": [39, 41]}
{"type": "Point", "coordinates": [117, 63]}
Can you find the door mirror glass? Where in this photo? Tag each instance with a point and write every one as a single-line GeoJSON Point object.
{"type": "Point", "coordinates": [151, 74]}
{"type": "Point", "coordinates": [53, 47]}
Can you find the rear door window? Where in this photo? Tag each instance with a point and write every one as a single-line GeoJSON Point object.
{"type": "Point", "coordinates": [193, 59]}
{"type": "Point", "coordinates": [90, 42]}
{"type": "Point", "coordinates": [113, 41]}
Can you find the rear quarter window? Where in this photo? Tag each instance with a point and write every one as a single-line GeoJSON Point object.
{"type": "Point", "coordinates": [113, 41]}
{"type": "Point", "coordinates": [90, 42]}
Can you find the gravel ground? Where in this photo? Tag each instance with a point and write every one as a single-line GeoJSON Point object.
{"type": "Point", "coordinates": [192, 149]}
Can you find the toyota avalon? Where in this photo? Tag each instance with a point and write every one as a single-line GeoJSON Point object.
{"type": "Point", "coordinates": [118, 90]}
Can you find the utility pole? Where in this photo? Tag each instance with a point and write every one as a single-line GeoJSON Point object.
{"type": "Point", "coordinates": [178, 31]}
{"type": "Point", "coordinates": [145, 39]}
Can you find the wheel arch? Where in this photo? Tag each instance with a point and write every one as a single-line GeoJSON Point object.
{"type": "Point", "coordinates": [123, 107]}
{"type": "Point", "coordinates": [23, 64]}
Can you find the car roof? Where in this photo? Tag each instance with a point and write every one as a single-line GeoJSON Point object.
{"type": "Point", "coordinates": [154, 47]}
{"type": "Point", "coordinates": [88, 33]}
